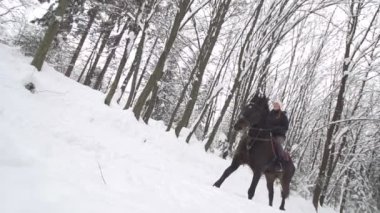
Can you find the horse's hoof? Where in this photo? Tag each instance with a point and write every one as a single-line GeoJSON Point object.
{"type": "Point", "coordinates": [216, 185]}
{"type": "Point", "coordinates": [282, 208]}
{"type": "Point", "coordinates": [250, 195]}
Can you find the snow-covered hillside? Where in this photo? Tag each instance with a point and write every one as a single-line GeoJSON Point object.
{"type": "Point", "coordinates": [56, 144]}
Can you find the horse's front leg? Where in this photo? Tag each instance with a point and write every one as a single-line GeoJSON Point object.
{"type": "Point", "coordinates": [234, 165]}
{"type": "Point", "coordinates": [255, 180]}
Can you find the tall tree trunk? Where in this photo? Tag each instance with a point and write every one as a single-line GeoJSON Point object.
{"type": "Point", "coordinates": [92, 14]}
{"type": "Point", "coordinates": [349, 174]}
{"type": "Point", "coordinates": [133, 28]}
{"type": "Point", "coordinates": [202, 60]}
{"type": "Point", "coordinates": [137, 59]}
{"type": "Point", "coordinates": [231, 136]}
{"type": "Point", "coordinates": [209, 102]}
{"type": "Point", "coordinates": [338, 107]}
{"type": "Point", "coordinates": [333, 163]}
{"type": "Point", "coordinates": [88, 61]}
{"type": "Point", "coordinates": [90, 58]}
{"type": "Point", "coordinates": [209, 118]}
{"type": "Point", "coordinates": [237, 81]}
{"type": "Point", "coordinates": [120, 69]}
{"type": "Point", "coordinates": [222, 113]}
{"type": "Point", "coordinates": [158, 71]}
{"type": "Point", "coordinates": [110, 56]}
{"type": "Point", "coordinates": [107, 33]}
{"type": "Point", "coordinates": [135, 68]}
{"type": "Point", "coordinates": [252, 74]}
{"type": "Point", "coordinates": [180, 100]}
{"type": "Point", "coordinates": [348, 57]}
{"type": "Point", "coordinates": [44, 46]}
{"type": "Point", "coordinates": [150, 105]}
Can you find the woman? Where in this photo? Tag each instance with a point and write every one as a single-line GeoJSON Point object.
{"type": "Point", "coordinates": [278, 122]}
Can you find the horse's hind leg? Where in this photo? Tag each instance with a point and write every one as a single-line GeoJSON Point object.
{"type": "Point", "coordinates": [270, 180]}
{"type": "Point", "coordinates": [234, 165]}
{"type": "Point", "coordinates": [284, 193]}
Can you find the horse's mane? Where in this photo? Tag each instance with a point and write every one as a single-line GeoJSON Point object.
{"type": "Point", "coordinates": [260, 99]}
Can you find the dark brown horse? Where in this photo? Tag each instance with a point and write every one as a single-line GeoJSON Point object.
{"type": "Point", "coordinates": [255, 149]}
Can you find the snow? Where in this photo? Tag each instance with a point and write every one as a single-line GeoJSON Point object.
{"type": "Point", "coordinates": [56, 144]}
{"type": "Point", "coordinates": [347, 61]}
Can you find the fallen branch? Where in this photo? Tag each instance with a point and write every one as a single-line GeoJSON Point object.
{"type": "Point", "coordinates": [101, 173]}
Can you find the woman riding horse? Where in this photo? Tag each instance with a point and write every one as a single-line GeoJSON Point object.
{"type": "Point", "coordinates": [255, 148]}
{"type": "Point", "coordinates": [278, 122]}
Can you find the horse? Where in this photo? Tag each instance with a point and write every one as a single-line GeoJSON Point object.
{"type": "Point", "coordinates": [256, 150]}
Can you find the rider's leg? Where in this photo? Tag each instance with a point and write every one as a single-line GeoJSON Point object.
{"type": "Point", "coordinates": [280, 154]}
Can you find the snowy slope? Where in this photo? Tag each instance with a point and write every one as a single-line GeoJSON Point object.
{"type": "Point", "coordinates": [55, 143]}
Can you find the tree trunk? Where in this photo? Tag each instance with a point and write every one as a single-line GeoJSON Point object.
{"type": "Point", "coordinates": [252, 74]}
{"type": "Point", "coordinates": [90, 58]}
{"type": "Point", "coordinates": [107, 33]}
{"type": "Point", "coordinates": [44, 46]}
{"type": "Point", "coordinates": [133, 28]}
{"type": "Point", "coordinates": [135, 69]}
{"type": "Point", "coordinates": [209, 118]}
{"type": "Point", "coordinates": [120, 69]}
{"type": "Point", "coordinates": [349, 174]}
{"type": "Point", "coordinates": [231, 133]}
{"type": "Point", "coordinates": [198, 121]}
{"type": "Point", "coordinates": [237, 81]}
{"type": "Point", "coordinates": [201, 63]}
{"type": "Point", "coordinates": [137, 59]}
{"type": "Point", "coordinates": [333, 164]}
{"type": "Point", "coordinates": [92, 14]}
{"type": "Point", "coordinates": [338, 109]}
{"type": "Point", "coordinates": [99, 80]}
{"type": "Point", "coordinates": [150, 105]}
{"type": "Point", "coordinates": [158, 71]}
{"type": "Point", "coordinates": [220, 118]}
{"type": "Point", "coordinates": [180, 100]}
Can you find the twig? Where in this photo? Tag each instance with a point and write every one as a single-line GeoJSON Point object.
{"type": "Point", "coordinates": [9, 10]}
{"type": "Point", "coordinates": [59, 93]}
{"type": "Point", "coordinates": [101, 173]}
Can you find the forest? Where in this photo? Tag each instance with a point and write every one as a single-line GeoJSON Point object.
{"type": "Point", "coordinates": [193, 65]}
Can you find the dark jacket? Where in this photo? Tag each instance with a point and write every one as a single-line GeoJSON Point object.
{"type": "Point", "coordinates": [278, 122]}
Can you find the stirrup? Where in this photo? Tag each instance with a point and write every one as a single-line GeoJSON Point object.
{"type": "Point", "coordinates": [278, 167]}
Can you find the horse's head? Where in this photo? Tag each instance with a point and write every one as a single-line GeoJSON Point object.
{"type": "Point", "coordinates": [254, 113]}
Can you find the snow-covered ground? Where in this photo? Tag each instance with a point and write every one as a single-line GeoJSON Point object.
{"type": "Point", "coordinates": [56, 144]}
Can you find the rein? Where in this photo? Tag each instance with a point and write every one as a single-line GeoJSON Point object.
{"type": "Point", "coordinates": [261, 139]}
{"type": "Point", "coordinates": [255, 138]}
{"type": "Point", "coordinates": [264, 139]}
{"type": "Point", "coordinates": [261, 129]}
